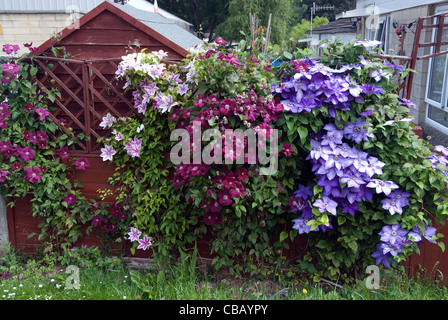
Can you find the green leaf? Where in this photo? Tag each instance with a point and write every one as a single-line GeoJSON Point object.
{"type": "Point", "coordinates": [303, 133]}
{"type": "Point", "coordinates": [341, 220]}
{"type": "Point", "coordinates": [323, 244]}
{"type": "Point", "coordinates": [283, 236]}
{"type": "Point", "coordinates": [353, 245]}
{"type": "Point", "coordinates": [288, 55]}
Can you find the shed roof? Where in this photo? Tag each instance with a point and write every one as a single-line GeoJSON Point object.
{"type": "Point", "coordinates": [337, 26]}
{"type": "Point", "coordinates": [81, 6]}
{"type": "Point", "coordinates": [105, 31]}
{"type": "Point", "coordinates": [365, 8]}
{"type": "Point", "coordinates": [164, 26]}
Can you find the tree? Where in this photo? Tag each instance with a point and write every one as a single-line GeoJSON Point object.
{"type": "Point", "coordinates": [238, 19]}
{"type": "Point", "coordinates": [205, 15]}
{"type": "Point", "coordinates": [299, 31]}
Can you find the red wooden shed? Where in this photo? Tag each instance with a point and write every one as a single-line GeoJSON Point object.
{"type": "Point", "coordinates": [84, 73]}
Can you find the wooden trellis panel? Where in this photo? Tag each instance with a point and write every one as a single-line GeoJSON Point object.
{"type": "Point", "coordinates": [89, 90]}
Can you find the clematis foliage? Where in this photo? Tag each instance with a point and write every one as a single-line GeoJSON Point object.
{"type": "Point", "coordinates": [262, 157]}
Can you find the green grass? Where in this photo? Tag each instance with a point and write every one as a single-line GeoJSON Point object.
{"type": "Point", "coordinates": [102, 278]}
{"type": "Point", "coordinates": [125, 284]}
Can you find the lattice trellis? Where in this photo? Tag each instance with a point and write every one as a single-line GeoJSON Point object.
{"type": "Point", "coordinates": [89, 90]}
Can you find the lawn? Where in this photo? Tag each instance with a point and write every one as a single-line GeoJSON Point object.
{"type": "Point", "coordinates": [114, 279]}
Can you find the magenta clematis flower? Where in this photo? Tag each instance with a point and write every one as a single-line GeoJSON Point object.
{"type": "Point", "coordinates": [70, 199]}
{"type": "Point", "coordinates": [28, 107]}
{"type": "Point", "coordinates": [10, 48]}
{"type": "Point", "coordinates": [10, 68]}
{"type": "Point", "coordinates": [33, 174]}
{"type": "Point", "coordinates": [134, 234]}
{"type": "Point", "coordinates": [211, 218]}
{"type": "Point", "coordinates": [134, 147]}
{"type": "Point", "coordinates": [64, 153]}
{"type": "Point", "coordinates": [221, 41]}
{"type": "Point", "coordinates": [288, 150]}
{"type": "Point", "coordinates": [3, 107]}
{"type": "Point", "coordinates": [97, 220]}
{"type": "Point", "coordinates": [82, 163]}
{"type": "Point", "coordinates": [144, 243]}
{"type": "Point", "coordinates": [3, 175]}
{"type": "Point", "coordinates": [224, 198]}
{"type": "Point", "coordinates": [27, 154]}
{"type": "Point", "coordinates": [42, 113]}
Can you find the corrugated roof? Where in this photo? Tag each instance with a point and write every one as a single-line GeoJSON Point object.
{"type": "Point", "coordinates": [82, 6]}
{"type": "Point", "coordinates": [164, 26]}
{"type": "Point", "coordinates": [337, 26]}
{"type": "Point", "coordinates": [364, 7]}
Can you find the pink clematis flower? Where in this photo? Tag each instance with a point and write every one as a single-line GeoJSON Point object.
{"type": "Point", "coordinates": [107, 121]}
{"type": "Point", "coordinates": [107, 153]}
{"type": "Point", "coordinates": [144, 243]}
{"type": "Point", "coordinates": [134, 234]}
{"type": "Point", "coordinates": [134, 147]}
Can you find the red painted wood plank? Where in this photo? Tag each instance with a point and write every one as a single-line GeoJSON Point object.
{"type": "Point", "coordinates": [98, 51]}
{"type": "Point", "coordinates": [110, 36]}
{"type": "Point", "coordinates": [107, 20]}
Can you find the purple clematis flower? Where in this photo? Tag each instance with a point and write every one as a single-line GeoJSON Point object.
{"type": "Point", "coordinates": [392, 206]}
{"type": "Point", "coordinates": [380, 257]}
{"type": "Point", "coordinates": [326, 205]}
{"type": "Point", "coordinates": [416, 234]}
{"type": "Point", "coordinates": [371, 89]}
{"type": "Point", "coordinates": [357, 131]}
{"type": "Point", "coordinates": [332, 138]}
{"type": "Point", "coordinates": [350, 207]}
{"type": "Point", "coordinates": [382, 186]}
{"type": "Point", "coordinates": [392, 233]}
{"type": "Point", "coordinates": [303, 192]}
{"type": "Point", "coordinates": [372, 166]}
{"type": "Point", "coordinates": [301, 226]}
{"type": "Point", "coordinates": [353, 179]}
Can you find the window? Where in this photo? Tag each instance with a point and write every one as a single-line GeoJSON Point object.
{"type": "Point", "coordinates": [436, 85]}
{"type": "Point", "coordinates": [381, 33]}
